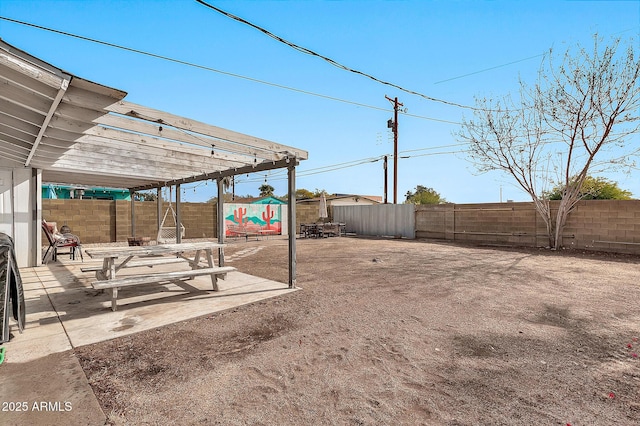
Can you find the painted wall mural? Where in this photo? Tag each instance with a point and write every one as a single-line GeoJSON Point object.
{"type": "Point", "coordinates": [252, 218]}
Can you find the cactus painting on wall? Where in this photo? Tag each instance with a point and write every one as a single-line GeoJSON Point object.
{"type": "Point", "coordinates": [252, 218]}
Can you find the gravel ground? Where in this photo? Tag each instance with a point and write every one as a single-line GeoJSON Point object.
{"type": "Point", "coordinates": [393, 332]}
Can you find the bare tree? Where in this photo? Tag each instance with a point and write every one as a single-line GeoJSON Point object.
{"type": "Point", "coordinates": [574, 119]}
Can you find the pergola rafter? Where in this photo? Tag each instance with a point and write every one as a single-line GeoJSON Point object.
{"type": "Point", "coordinates": [63, 125]}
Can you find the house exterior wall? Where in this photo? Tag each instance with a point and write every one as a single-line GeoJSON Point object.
{"type": "Point", "coordinates": [19, 212]}
{"type": "Point", "coordinates": [350, 201]}
{"type": "Point", "coordinates": [6, 201]}
{"type": "Point", "coordinates": [67, 192]}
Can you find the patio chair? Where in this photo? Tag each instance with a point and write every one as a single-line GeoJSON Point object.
{"type": "Point", "coordinates": [58, 240]}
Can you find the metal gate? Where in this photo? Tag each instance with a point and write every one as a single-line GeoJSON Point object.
{"type": "Point", "coordinates": [392, 220]}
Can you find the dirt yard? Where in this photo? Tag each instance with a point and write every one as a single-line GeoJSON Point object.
{"type": "Point", "coordinates": [394, 332]}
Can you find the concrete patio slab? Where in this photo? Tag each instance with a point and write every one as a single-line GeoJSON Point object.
{"type": "Point", "coordinates": [51, 390]}
{"type": "Point", "coordinates": [64, 312]}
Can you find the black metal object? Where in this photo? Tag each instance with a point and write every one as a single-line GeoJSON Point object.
{"type": "Point", "coordinates": [11, 292]}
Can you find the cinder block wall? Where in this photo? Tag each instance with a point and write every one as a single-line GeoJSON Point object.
{"type": "Point", "coordinates": [198, 219]}
{"type": "Point", "coordinates": [607, 225]}
{"type": "Point", "coordinates": [100, 221]}
{"type": "Point", "coordinates": [103, 221]}
{"type": "Point", "coordinates": [94, 221]}
{"type": "Point", "coordinates": [308, 212]}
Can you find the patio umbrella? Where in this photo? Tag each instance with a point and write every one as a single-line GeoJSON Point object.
{"type": "Point", "coordinates": [323, 207]}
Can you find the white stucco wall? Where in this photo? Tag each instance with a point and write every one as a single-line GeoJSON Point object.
{"type": "Point", "coordinates": [21, 212]}
{"type": "Point", "coordinates": [6, 203]}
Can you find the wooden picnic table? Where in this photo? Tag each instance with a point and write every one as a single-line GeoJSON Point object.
{"type": "Point", "coordinates": [117, 258]}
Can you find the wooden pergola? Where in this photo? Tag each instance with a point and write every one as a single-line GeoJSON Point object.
{"type": "Point", "coordinates": [74, 131]}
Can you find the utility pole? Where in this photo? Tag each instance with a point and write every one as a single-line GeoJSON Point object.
{"type": "Point", "coordinates": [394, 127]}
{"type": "Point", "coordinates": [385, 179]}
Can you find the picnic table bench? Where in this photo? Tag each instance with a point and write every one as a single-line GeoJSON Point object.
{"type": "Point", "coordinates": [107, 274]}
{"type": "Point", "coordinates": [267, 232]}
{"type": "Point", "coordinates": [242, 231]}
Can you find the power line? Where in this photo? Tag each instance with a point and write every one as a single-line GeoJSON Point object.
{"type": "Point", "coordinates": [339, 166]}
{"type": "Point", "coordinates": [318, 170]}
{"type": "Point", "coordinates": [227, 73]}
{"type": "Point", "coordinates": [489, 69]}
{"type": "Point", "coordinates": [434, 147]}
{"type": "Point", "coordinates": [329, 60]}
{"type": "Point", "coordinates": [279, 175]}
{"type": "Point", "coordinates": [512, 62]}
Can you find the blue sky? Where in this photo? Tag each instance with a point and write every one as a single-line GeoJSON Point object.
{"type": "Point", "coordinates": [449, 50]}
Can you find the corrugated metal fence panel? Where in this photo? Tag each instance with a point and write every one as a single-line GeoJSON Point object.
{"type": "Point", "coordinates": [379, 220]}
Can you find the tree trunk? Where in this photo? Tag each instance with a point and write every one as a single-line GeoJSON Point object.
{"type": "Point", "coordinates": [544, 210]}
{"type": "Point", "coordinates": [564, 209]}
{"type": "Point", "coordinates": [561, 218]}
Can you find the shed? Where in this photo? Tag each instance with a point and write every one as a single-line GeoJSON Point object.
{"type": "Point", "coordinates": [57, 127]}
{"type": "Point", "coordinates": [66, 192]}
{"type": "Point", "coordinates": [268, 200]}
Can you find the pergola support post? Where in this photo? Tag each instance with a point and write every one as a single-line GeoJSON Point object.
{"type": "Point", "coordinates": [178, 214]}
{"type": "Point", "coordinates": [220, 218]}
{"type": "Point", "coordinates": [159, 206]}
{"type": "Point", "coordinates": [292, 225]}
{"type": "Point", "coordinates": [132, 194]}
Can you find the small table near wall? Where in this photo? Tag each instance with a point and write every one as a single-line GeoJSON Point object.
{"type": "Point", "coordinates": [329, 229]}
{"type": "Point", "coordinates": [266, 232]}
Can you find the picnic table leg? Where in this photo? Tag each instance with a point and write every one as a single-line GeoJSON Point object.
{"type": "Point", "coordinates": [220, 256]}
{"type": "Point", "coordinates": [112, 268]}
{"type": "Point", "coordinates": [102, 274]}
{"type": "Point", "coordinates": [196, 262]}
{"type": "Point", "coordinates": [114, 297]}
{"type": "Point", "coordinates": [111, 274]}
{"type": "Point", "coordinates": [214, 277]}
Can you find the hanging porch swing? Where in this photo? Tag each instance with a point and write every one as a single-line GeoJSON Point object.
{"type": "Point", "coordinates": [167, 233]}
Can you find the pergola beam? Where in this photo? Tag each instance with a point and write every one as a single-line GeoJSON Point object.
{"type": "Point", "coordinates": [252, 142]}
{"type": "Point", "coordinates": [47, 119]}
{"type": "Point", "coordinates": [261, 167]}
